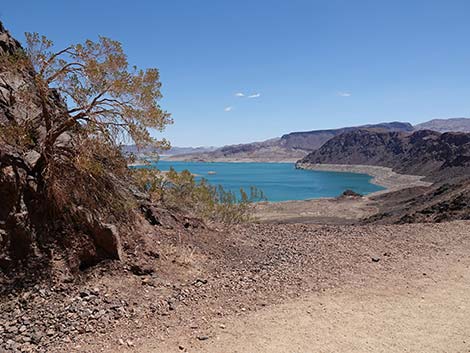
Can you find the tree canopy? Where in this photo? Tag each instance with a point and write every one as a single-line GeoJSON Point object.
{"type": "Point", "coordinates": [107, 97]}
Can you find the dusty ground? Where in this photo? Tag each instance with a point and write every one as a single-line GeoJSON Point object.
{"type": "Point", "coordinates": [430, 314]}
{"type": "Point", "coordinates": [286, 288]}
{"type": "Point", "coordinates": [348, 210]}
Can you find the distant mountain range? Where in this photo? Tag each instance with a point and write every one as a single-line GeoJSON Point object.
{"type": "Point", "coordinates": [445, 125]}
{"type": "Point", "coordinates": [292, 146]}
{"type": "Point", "coordinates": [289, 147]}
{"type": "Point", "coordinates": [173, 151]}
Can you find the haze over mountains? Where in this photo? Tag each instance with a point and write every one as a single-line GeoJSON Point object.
{"type": "Point", "coordinates": [296, 145]}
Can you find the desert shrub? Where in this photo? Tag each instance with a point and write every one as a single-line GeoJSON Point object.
{"type": "Point", "coordinates": [183, 192]}
{"type": "Point", "coordinates": [92, 177]}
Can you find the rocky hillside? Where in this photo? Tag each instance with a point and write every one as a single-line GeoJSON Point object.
{"type": "Point", "coordinates": [296, 145]}
{"type": "Point", "coordinates": [446, 125]}
{"type": "Point", "coordinates": [445, 201]}
{"type": "Point", "coordinates": [438, 156]}
{"type": "Point", "coordinates": [442, 158]}
{"type": "Point", "coordinates": [289, 147]}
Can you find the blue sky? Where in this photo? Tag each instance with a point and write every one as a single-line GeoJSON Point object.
{"type": "Point", "coordinates": [314, 64]}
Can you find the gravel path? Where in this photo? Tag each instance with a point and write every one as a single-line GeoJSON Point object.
{"type": "Point", "coordinates": [429, 315]}
{"type": "Point", "coordinates": [302, 288]}
{"type": "Point", "coordinates": [261, 288]}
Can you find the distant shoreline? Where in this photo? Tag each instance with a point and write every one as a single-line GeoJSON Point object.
{"type": "Point", "coordinates": [334, 210]}
{"type": "Point", "coordinates": [382, 176]}
{"type": "Point", "coordinates": [143, 163]}
{"type": "Point", "coordinates": [230, 160]}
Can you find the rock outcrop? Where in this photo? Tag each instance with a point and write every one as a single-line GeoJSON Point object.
{"type": "Point", "coordinates": [441, 202]}
{"type": "Point", "coordinates": [8, 45]}
{"type": "Point", "coordinates": [312, 140]}
{"type": "Point", "coordinates": [429, 153]}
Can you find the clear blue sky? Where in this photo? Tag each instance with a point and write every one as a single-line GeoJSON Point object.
{"type": "Point", "coordinates": [315, 64]}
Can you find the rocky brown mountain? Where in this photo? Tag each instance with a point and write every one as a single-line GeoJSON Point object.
{"type": "Point", "coordinates": [429, 153]}
{"type": "Point", "coordinates": [312, 140]}
{"type": "Point", "coordinates": [296, 145]}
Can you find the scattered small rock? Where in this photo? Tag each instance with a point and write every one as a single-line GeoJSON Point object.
{"type": "Point", "coordinates": [199, 282]}
{"type": "Point", "coordinates": [141, 270]}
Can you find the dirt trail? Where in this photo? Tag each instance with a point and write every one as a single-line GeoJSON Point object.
{"type": "Point", "coordinates": [292, 288]}
{"type": "Point", "coordinates": [430, 314]}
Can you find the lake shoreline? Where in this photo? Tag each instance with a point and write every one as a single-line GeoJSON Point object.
{"type": "Point", "coordinates": [382, 176]}
{"type": "Point", "coordinates": [337, 210]}
{"type": "Point", "coordinates": [329, 209]}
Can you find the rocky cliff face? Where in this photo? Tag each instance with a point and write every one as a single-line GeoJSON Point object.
{"type": "Point", "coordinates": [429, 153]}
{"type": "Point", "coordinates": [8, 45]}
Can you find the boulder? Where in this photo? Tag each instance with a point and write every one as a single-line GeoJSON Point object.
{"type": "Point", "coordinates": [106, 238]}
{"type": "Point", "coordinates": [31, 158]}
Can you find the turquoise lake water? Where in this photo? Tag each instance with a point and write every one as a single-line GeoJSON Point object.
{"type": "Point", "coordinates": [279, 181]}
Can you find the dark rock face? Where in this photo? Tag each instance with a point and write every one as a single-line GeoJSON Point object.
{"type": "Point", "coordinates": [442, 158]}
{"type": "Point", "coordinates": [8, 45]}
{"type": "Point", "coordinates": [311, 140]}
{"type": "Point", "coordinates": [424, 152]}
